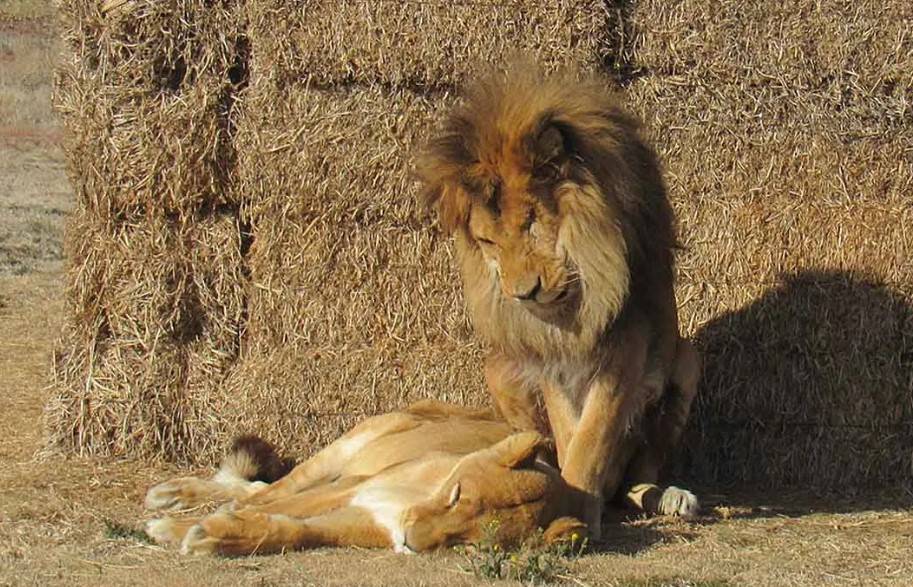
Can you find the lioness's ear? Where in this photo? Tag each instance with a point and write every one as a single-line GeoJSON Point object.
{"type": "Point", "coordinates": [454, 496]}
{"type": "Point", "coordinates": [518, 448]}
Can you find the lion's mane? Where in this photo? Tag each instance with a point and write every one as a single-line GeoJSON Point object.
{"type": "Point", "coordinates": [616, 222]}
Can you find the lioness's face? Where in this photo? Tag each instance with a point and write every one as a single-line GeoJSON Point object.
{"type": "Point", "coordinates": [490, 485]}
{"type": "Point", "coordinates": [514, 220]}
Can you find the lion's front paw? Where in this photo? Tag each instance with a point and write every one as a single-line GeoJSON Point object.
{"type": "Point", "coordinates": [678, 502]}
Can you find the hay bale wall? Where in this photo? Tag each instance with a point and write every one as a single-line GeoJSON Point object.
{"type": "Point", "coordinates": [157, 279]}
{"type": "Point", "coordinates": [422, 44]}
{"type": "Point", "coordinates": [787, 138]}
{"type": "Point", "coordinates": [323, 294]}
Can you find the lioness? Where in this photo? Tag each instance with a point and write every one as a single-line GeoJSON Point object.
{"type": "Point", "coordinates": [565, 239]}
{"type": "Point", "coordinates": [429, 476]}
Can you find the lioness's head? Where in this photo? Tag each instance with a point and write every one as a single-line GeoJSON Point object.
{"type": "Point", "coordinates": [547, 179]}
{"type": "Point", "coordinates": [497, 483]}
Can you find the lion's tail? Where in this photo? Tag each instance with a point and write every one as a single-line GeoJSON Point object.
{"type": "Point", "coordinates": [253, 459]}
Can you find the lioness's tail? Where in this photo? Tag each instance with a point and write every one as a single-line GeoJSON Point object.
{"type": "Point", "coordinates": [251, 458]}
{"type": "Point", "coordinates": [249, 466]}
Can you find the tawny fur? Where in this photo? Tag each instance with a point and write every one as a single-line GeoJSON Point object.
{"type": "Point", "coordinates": [565, 239]}
{"type": "Point", "coordinates": [249, 465]}
{"type": "Point", "coordinates": [429, 476]}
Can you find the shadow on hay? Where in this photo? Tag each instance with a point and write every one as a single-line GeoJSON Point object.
{"type": "Point", "coordinates": [809, 386]}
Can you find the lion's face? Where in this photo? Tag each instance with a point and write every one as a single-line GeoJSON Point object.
{"type": "Point", "coordinates": [517, 231]}
{"type": "Point", "coordinates": [556, 204]}
{"type": "Point", "coordinates": [514, 218]}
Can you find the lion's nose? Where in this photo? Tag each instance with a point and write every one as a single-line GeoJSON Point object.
{"type": "Point", "coordinates": [527, 289]}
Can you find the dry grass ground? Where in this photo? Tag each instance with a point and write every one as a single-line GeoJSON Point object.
{"type": "Point", "coordinates": [53, 511]}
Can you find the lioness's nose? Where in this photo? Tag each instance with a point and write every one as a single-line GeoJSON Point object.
{"type": "Point", "coordinates": [527, 289]}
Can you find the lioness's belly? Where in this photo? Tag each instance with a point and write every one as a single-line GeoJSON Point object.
{"type": "Point", "coordinates": [457, 437]}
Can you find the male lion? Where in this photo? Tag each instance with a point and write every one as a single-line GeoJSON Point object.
{"type": "Point", "coordinates": [565, 240]}
{"type": "Point", "coordinates": [431, 475]}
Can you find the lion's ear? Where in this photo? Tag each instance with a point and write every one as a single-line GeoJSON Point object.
{"type": "Point", "coordinates": [549, 144]}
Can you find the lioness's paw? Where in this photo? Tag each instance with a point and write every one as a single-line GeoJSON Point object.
{"type": "Point", "coordinates": [170, 495]}
{"type": "Point", "coordinates": [163, 531]}
{"type": "Point", "coordinates": [678, 502]}
{"type": "Point", "coordinates": [198, 541]}
{"type": "Point", "coordinates": [566, 529]}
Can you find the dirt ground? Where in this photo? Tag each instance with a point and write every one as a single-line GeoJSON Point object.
{"type": "Point", "coordinates": [56, 512]}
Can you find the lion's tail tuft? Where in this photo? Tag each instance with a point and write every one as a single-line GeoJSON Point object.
{"type": "Point", "coordinates": [253, 459]}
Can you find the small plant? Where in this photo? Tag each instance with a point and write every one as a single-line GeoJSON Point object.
{"type": "Point", "coordinates": [533, 563]}
{"type": "Point", "coordinates": [116, 530]}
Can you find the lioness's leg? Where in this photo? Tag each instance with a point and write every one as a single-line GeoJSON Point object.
{"type": "Point", "coordinates": [516, 399]}
{"type": "Point", "coordinates": [190, 492]}
{"type": "Point", "coordinates": [328, 463]}
{"type": "Point", "coordinates": [250, 464]}
{"type": "Point", "coordinates": [311, 502]}
{"type": "Point", "coordinates": [170, 531]}
{"type": "Point", "coordinates": [662, 429]}
{"type": "Point", "coordinates": [243, 533]}
{"type": "Point", "coordinates": [436, 408]}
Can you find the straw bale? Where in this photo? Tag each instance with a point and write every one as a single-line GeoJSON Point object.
{"type": "Point", "coordinates": [354, 302]}
{"type": "Point", "coordinates": [146, 98]}
{"type": "Point", "coordinates": [731, 140]}
{"type": "Point", "coordinates": [421, 43]}
{"type": "Point", "coordinates": [128, 154]}
{"type": "Point", "coordinates": [808, 383]}
{"type": "Point", "coordinates": [155, 311]}
{"type": "Point", "coordinates": [828, 46]}
{"type": "Point", "coordinates": [154, 46]}
{"type": "Point", "coordinates": [341, 253]}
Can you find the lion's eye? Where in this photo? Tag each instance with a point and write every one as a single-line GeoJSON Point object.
{"type": "Point", "coordinates": [485, 241]}
{"type": "Point", "coordinates": [530, 220]}
{"type": "Point", "coordinates": [546, 172]}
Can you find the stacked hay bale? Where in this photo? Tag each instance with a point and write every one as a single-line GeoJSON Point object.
{"type": "Point", "coordinates": [787, 134]}
{"type": "Point", "coordinates": [354, 302]}
{"type": "Point", "coordinates": [156, 279]}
